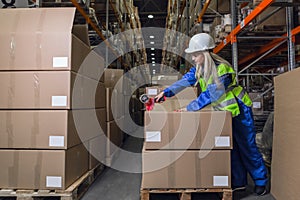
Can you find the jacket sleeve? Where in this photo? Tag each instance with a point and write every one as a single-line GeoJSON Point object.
{"type": "Point", "coordinates": [212, 93]}
{"type": "Point", "coordinates": [186, 81]}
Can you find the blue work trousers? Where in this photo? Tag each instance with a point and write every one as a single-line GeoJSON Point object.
{"type": "Point", "coordinates": [245, 156]}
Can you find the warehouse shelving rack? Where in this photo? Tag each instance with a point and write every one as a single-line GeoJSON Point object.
{"type": "Point", "coordinates": [265, 45]}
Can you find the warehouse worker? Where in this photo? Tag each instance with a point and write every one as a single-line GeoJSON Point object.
{"type": "Point", "coordinates": [219, 88]}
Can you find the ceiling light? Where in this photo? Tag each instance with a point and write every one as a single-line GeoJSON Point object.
{"type": "Point", "coordinates": [150, 16]}
{"type": "Point", "coordinates": [153, 62]}
{"type": "Point", "coordinates": [152, 49]}
{"type": "Point", "coordinates": [152, 42]}
{"type": "Point", "coordinates": [151, 36]}
{"type": "Point", "coordinates": [152, 54]}
{"type": "Point", "coordinates": [153, 58]}
{"type": "Point", "coordinates": [153, 65]}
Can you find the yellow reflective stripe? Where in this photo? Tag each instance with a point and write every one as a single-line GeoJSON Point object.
{"type": "Point", "coordinates": [233, 108]}
{"type": "Point", "coordinates": [227, 102]}
{"type": "Point", "coordinates": [241, 95]}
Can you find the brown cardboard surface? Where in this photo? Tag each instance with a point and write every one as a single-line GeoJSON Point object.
{"type": "Point", "coordinates": [188, 130]}
{"type": "Point", "coordinates": [28, 45]}
{"type": "Point", "coordinates": [97, 151]}
{"type": "Point", "coordinates": [219, 6]}
{"type": "Point", "coordinates": [114, 104]}
{"type": "Point", "coordinates": [114, 138]}
{"type": "Point", "coordinates": [109, 105]}
{"type": "Point", "coordinates": [42, 169]}
{"type": "Point", "coordinates": [93, 66]}
{"type": "Point", "coordinates": [49, 90]}
{"type": "Point", "coordinates": [180, 100]}
{"type": "Point", "coordinates": [49, 129]}
{"type": "Point", "coordinates": [277, 19]}
{"type": "Point", "coordinates": [81, 31]}
{"type": "Point", "coordinates": [113, 77]}
{"type": "Point", "coordinates": [165, 79]}
{"type": "Point", "coordinates": [257, 102]}
{"type": "Point", "coordinates": [285, 174]}
{"type": "Point", "coordinates": [186, 169]}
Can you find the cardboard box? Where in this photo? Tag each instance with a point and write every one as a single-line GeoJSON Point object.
{"type": "Point", "coordinates": [114, 139]}
{"type": "Point", "coordinates": [97, 151]}
{"type": "Point", "coordinates": [93, 66]}
{"type": "Point", "coordinates": [29, 45]}
{"type": "Point", "coordinates": [219, 6]}
{"type": "Point", "coordinates": [188, 130]}
{"type": "Point", "coordinates": [113, 78]}
{"type": "Point", "coordinates": [273, 22]}
{"type": "Point", "coordinates": [114, 104]}
{"type": "Point", "coordinates": [49, 90]}
{"type": "Point", "coordinates": [186, 169]}
{"type": "Point", "coordinates": [165, 79]}
{"type": "Point", "coordinates": [257, 102]}
{"type": "Point", "coordinates": [49, 129]}
{"type": "Point", "coordinates": [285, 174]}
{"type": "Point", "coordinates": [180, 100]}
{"type": "Point", "coordinates": [42, 169]}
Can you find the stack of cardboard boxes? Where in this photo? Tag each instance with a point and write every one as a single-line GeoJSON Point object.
{"type": "Point", "coordinates": [186, 149]}
{"type": "Point", "coordinates": [44, 98]}
{"type": "Point", "coordinates": [113, 80]}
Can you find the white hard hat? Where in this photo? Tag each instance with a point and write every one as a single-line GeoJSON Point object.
{"type": "Point", "coordinates": [200, 42]}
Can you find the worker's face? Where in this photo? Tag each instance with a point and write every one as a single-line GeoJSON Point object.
{"type": "Point", "coordinates": [198, 58]}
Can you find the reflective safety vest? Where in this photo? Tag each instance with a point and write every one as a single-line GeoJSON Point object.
{"type": "Point", "coordinates": [228, 101]}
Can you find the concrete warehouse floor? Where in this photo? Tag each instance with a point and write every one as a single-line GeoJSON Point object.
{"type": "Point", "coordinates": [113, 184]}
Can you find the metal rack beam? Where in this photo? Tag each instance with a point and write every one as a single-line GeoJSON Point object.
{"type": "Point", "coordinates": [268, 46]}
{"type": "Point", "coordinates": [232, 36]}
{"type": "Point", "coordinates": [89, 21]}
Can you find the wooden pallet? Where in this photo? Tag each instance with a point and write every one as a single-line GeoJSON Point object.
{"type": "Point", "coordinates": [74, 192]}
{"type": "Point", "coordinates": [185, 194]}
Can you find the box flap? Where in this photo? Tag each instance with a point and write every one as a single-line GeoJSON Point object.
{"type": "Point", "coordinates": [36, 20]}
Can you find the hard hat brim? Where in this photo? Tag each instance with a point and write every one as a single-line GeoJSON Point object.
{"type": "Point", "coordinates": [188, 50]}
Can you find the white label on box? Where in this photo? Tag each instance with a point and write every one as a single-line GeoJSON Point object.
{"type": "Point", "coordinates": [59, 100]}
{"type": "Point", "coordinates": [154, 82]}
{"type": "Point", "coordinates": [256, 104]}
{"type": "Point", "coordinates": [222, 141]}
{"type": "Point", "coordinates": [152, 91]}
{"type": "Point", "coordinates": [56, 141]}
{"type": "Point", "coordinates": [60, 61]}
{"type": "Point", "coordinates": [220, 181]}
{"type": "Point", "coordinates": [153, 136]}
{"type": "Point", "coordinates": [54, 181]}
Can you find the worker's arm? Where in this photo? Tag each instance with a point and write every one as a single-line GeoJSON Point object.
{"type": "Point", "coordinates": [187, 80]}
{"type": "Point", "coordinates": [212, 93]}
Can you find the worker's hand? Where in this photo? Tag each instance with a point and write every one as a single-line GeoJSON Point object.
{"type": "Point", "coordinates": [158, 97]}
{"type": "Point", "coordinates": [181, 110]}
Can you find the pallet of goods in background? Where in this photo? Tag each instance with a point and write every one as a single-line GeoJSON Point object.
{"type": "Point", "coordinates": [115, 116]}
{"type": "Point", "coordinates": [44, 153]}
{"type": "Point", "coordinates": [186, 152]}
